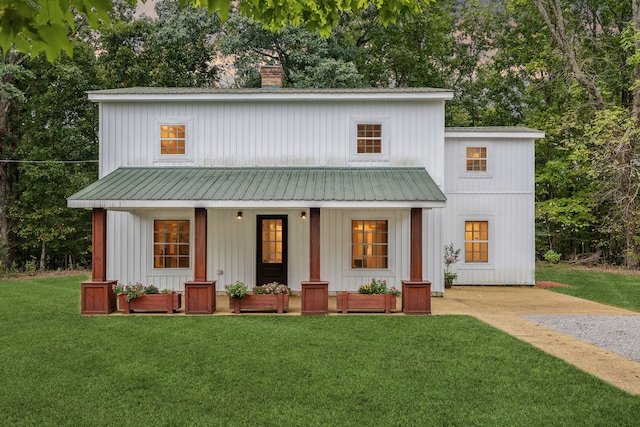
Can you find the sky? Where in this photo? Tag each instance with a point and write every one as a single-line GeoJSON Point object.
{"type": "Point", "coordinates": [146, 8]}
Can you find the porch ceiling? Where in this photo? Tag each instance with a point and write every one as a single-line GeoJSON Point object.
{"type": "Point", "coordinates": [153, 187]}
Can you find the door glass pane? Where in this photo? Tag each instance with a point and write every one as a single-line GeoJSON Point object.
{"type": "Point", "coordinates": [272, 241]}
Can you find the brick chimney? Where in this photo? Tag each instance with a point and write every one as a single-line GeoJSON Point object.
{"type": "Point", "coordinates": [271, 76]}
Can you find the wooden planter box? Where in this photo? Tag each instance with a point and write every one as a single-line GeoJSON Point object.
{"type": "Point", "coordinates": [97, 298]}
{"type": "Point", "coordinates": [315, 298]}
{"type": "Point", "coordinates": [152, 302]}
{"type": "Point", "coordinates": [200, 297]}
{"type": "Point", "coordinates": [416, 297]}
{"type": "Point", "coordinates": [260, 302]}
{"type": "Point", "coordinates": [347, 301]}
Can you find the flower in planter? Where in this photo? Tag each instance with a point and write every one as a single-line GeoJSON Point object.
{"type": "Point", "coordinates": [272, 288]}
{"type": "Point", "coordinates": [136, 290]}
{"type": "Point", "coordinates": [451, 256]}
{"type": "Point", "coordinates": [378, 287]}
{"type": "Point", "coordinates": [236, 290]}
{"type": "Point", "coordinates": [131, 291]}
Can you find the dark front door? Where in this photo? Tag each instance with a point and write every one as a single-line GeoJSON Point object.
{"type": "Point", "coordinates": [272, 249]}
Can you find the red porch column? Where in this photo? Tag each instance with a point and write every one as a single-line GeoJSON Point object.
{"type": "Point", "coordinates": [200, 294]}
{"type": "Point", "coordinates": [415, 271]}
{"type": "Point", "coordinates": [200, 245]}
{"type": "Point", "coordinates": [97, 296]}
{"type": "Point", "coordinates": [314, 245]}
{"type": "Point", "coordinates": [99, 245]}
{"type": "Point", "coordinates": [315, 293]}
{"type": "Point", "coordinates": [416, 293]}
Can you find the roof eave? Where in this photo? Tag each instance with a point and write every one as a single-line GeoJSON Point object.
{"type": "Point", "coordinates": [272, 96]}
{"type": "Point", "coordinates": [494, 133]}
{"type": "Point", "coordinates": [126, 205]}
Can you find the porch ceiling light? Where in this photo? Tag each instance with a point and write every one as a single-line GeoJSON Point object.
{"type": "Point", "coordinates": [239, 216]}
{"type": "Point", "coordinates": [303, 215]}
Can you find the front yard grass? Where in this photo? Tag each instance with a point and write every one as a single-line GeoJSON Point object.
{"type": "Point", "coordinates": [612, 288]}
{"type": "Point", "coordinates": [59, 368]}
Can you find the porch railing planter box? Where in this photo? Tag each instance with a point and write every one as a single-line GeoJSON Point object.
{"type": "Point", "coordinates": [416, 297]}
{"type": "Point", "coordinates": [260, 302]}
{"type": "Point", "coordinates": [315, 298]}
{"type": "Point", "coordinates": [349, 301]}
{"type": "Point", "coordinates": [200, 297]}
{"type": "Point", "coordinates": [97, 297]}
{"type": "Point", "coordinates": [152, 302]}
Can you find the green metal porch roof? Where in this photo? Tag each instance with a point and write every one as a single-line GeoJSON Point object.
{"type": "Point", "coordinates": [151, 187]}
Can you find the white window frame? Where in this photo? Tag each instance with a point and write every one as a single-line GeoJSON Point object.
{"type": "Point", "coordinates": [385, 133]}
{"type": "Point", "coordinates": [180, 271]}
{"type": "Point", "coordinates": [490, 219]}
{"type": "Point", "coordinates": [486, 159]}
{"type": "Point", "coordinates": [188, 155]}
{"type": "Point", "coordinates": [368, 273]}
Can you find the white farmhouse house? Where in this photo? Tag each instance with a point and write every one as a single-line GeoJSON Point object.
{"type": "Point", "coordinates": [339, 186]}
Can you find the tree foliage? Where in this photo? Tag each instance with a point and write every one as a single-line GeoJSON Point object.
{"type": "Point", "coordinates": [175, 49]}
{"type": "Point", "coordinates": [36, 26]}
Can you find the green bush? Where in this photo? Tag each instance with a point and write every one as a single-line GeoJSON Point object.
{"type": "Point", "coordinates": [30, 267]}
{"type": "Point", "coordinates": [552, 256]}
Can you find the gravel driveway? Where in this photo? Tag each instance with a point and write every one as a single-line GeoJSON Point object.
{"type": "Point", "coordinates": [618, 334]}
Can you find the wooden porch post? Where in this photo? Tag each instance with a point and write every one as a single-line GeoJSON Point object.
{"type": "Point", "coordinates": [314, 245]}
{"type": "Point", "coordinates": [315, 293]}
{"type": "Point", "coordinates": [97, 296]}
{"type": "Point", "coordinates": [416, 293]}
{"type": "Point", "coordinates": [200, 246]}
{"type": "Point", "coordinates": [200, 294]}
{"type": "Point", "coordinates": [415, 272]}
{"type": "Point", "coordinates": [99, 245]}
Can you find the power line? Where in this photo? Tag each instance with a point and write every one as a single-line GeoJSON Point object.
{"type": "Point", "coordinates": [47, 161]}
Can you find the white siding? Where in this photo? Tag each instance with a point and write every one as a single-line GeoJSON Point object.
{"type": "Point", "coordinates": [130, 249]}
{"type": "Point", "coordinates": [336, 248]}
{"type": "Point", "coordinates": [272, 133]}
{"type": "Point", "coordinates": [231, 248]}
{"type": "Point", "coordinates": [319, 133]}
{"type": "Point", "coordinates": [503, 196]}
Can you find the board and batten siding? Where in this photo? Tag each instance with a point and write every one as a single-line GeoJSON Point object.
{"type": "Point", "coordinates": [287, 133]}
{"type": "Point", "coordinates": [503, 196]}
{"type": "Point", "coordinates": [130, 249]}
{"type": "Point", "coordinates": [231, 247]}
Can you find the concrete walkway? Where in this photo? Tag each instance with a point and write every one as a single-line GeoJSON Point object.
{"type": "Point", "coordinates": [501, 307]}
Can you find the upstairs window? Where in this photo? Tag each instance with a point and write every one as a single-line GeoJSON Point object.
{"type": "Point", "coordinates": [369, 244]}
{"type": "Point", "coordinates": [476, 241]}
{"type": "Point", "coordinates": [369, 138]}
{"type": "Point", "coordinates": [171, 243]}
{"type": "Point", "coordinates": [476, 159]}
{"type": "Point", "coordinates": [172, 139]}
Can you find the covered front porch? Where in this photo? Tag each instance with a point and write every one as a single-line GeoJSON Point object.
{"type": "Point", "coordinates": [329, 246]}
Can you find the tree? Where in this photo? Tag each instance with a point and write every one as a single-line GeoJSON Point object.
{"type": "Point", "coordinates": [307, 59]}
{"type": "Point", "coordinates": [12, 72]}
{"type": "Point", "coordinates": [606, 30]}
{"type": "Point", "coordinates": [176, 49]}
{"type": "Point", "coordinates": [58, 148]}
{"type": "Point", "coordinates": [35, 26]}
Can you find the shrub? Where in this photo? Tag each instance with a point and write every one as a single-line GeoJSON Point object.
{"type": "Point", "coordinates": [552, 256]}
{"type": "Point", "coordinates": [271, 288]}
{"type": "Point", "coordinates": [236, 290]}
{"type": "Point", "coordinates": [378, 287]}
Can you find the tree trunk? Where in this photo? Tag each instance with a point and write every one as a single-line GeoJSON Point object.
{"type": "Point", "coordinates": [43, 256]}
{"type": "Point", "coordinates": [556, 25]}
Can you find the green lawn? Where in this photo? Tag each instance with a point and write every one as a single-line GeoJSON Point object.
{"type": "Point", "coordinates": [612, 288]}
{"type": "Point", "coordinates": [59, 368]}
